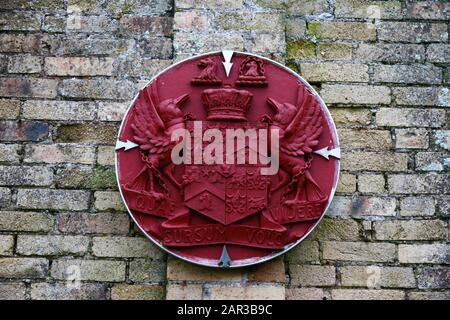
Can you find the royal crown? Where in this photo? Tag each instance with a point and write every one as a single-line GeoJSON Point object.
{"type": "Point", "coordinates": [226, 103]}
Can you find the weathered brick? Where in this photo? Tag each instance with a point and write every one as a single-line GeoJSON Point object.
{"type": "Point", "coordinates": [184, 291]}
{"type": "Point", "coordinates": [9, 109]}
{"type": "Point", "coordinates": [295, 28]}
{"type": "Point", "coordinates": [355, 94]}
{"type": "Point", "coordinates": [371, 183]}
{"type": "Point", "coordinates": [155, 47]}
{"type": "Point", "coordinates": [444, 206]}
{"type": "Point", "coordinates": [347, 183]}
{"type": "Point", "coordinates": [142, 7]}
{"type": "Point", "coordinates": [88, 223]}
{"type": "Point", "coordinates": [137, 292]}
{"type": "Point", "coordinates": [428, 295]}
{"type": "Point", "coordinates": [44, 5]}
{"type": "Point", "coordinates": [111, 111]}
{"type": "Point", "coordinates": [419, 184]}
{"type": "Point", "coordinates": [54, 24]}
{"type": "Point", "coordinates": [438, 52]}
{"type": "Point", "coordinates": [366, 9]}
{"type": "Point", "coordinates": [436, 10]}
{"type": "Point", "coordinates": [26, 221]}
{"type": "Point", "coordinates": [212, 4]}
{"type": "Point", "coordinates": [91, 24]}
{"type": "Point", "coordinates": [319, 72]}
{"type": "Point", "coordinates": [257, 292]}
{"type": "Point", "coordinates": [28, 87]}
{"type": "Point", "coordinates": [434, 278]}
{"type": "Point", "coordinates": [361, 294]}
{"type": "Point", "coordinates": [108, 200]}
{"type": "Point", "coordinates": [423, 253]}
{"type": "Point", "coordinates": [87, 132]}
{"type": "Point", "coordinates": [417, 206]}
{"type": "Point", "coordinates": [6, 244]}
{"type": "Point", "coordinates": [374, 161]}
{"type": "Point", "coordinates": [442, 139]}
{"type": "Point", "coordinates": [268, 22]}
{"type": "Point", "coordinates": [359, 251]}
{"type": "Point", "coordinates": [190, 43]}
{"type": "Point", "coordinates": [341, 30]}
{"type": "Point", "coordinates": [51, 245]}
{"type": "Point", "coordinates": [305, 251]}
{"type": "Point", "coordinates": [75, 200]}
{"type": "Point", "coordinates": [432, 161]}
{"type": "Point", "coordinates": [78, 66]}
{"type": "Point", "coordinates": [10, 153]}
{"type": "Point", "coordinates": [425, 96]}
{"type": "Point", "coordinates": [410, 230]}
{"type": "Point", "coordinates": [191, 20]}
{"type": "Point", "coordinates": [306, 294]}
{"type": "Point", "coordinates": [335, 51]}
{"type": "Point", "coordinates": [105, 155]}
{"type": "Point", "coordinates": [301, 49]}
{"type": "Point", "coordinates": [58, 110]}
{"type": "Point", "coordinates": [59, 153]}
{"type": "Point", "coordinates": [336, 229]}
{"type": "Point", "coordinates": [358, 206]}
{"type": "Point", "coordinates": [351, 116]}
{"type": "Point", "coordinates": [307, 7]}
{"type": "Point", "coordinates": [124, 247]}
{"type": "Point", "coordinates": [416, 73]}
{"type": "Point", "coordinates": [86, 177]}
{"type": "Point", "coordinates": [25, 63]}
{"type": "Point", "coordinates": [365, 139]}
{"type": "Point", "coordinates": [14, 42]}
{"type": "Point", "coordinates": [386, 52]}
{"type": "Point", "coordinates": [98, 89]}
{"type": "Point", "coordinates": [25, 175]}
{"type": "Point", "coordinates": [271, 271]}
{"type": "Point", "coordinates": [409, 117]}
{"type": "Point", "coordinates": [5, 197]}
{"type": "Point", "coordinates": [270, 45]}
{"type": "Point", "coordinates": [23, 130]}
{"type": "Point", "coordinates": [411, 138]}
{"type": "Point", "coordinates": [23, 268]}
{"type": "Point", "coordinates": [415, 32]}
{"type": "Point", "coordinates": [311, 275]}
{"type": "Point", "coordinates": [377, 277]}
{"type": "Point", "coordinates": [61, 291]}
{"type": "Point", "coordinates": [95, 44]}
{"type": "Point", "coordinates": [20, 21]}
{"type": "Point", "coordinates": [12, 291]}
{"type": "Point", "coordinates": [90, 270]}
{"type": "Point", "coordinates": [178, 270]}
{"type": "Point", "coordinates": [147, 270]}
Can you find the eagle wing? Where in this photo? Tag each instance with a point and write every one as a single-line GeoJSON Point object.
{"type": "Point", "coordinates": [148, 127]}
{"type": "Point", "coordinates": [302, 134]}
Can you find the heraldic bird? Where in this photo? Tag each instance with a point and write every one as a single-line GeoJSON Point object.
{"type": "Point", "coordinates": [299, 128]}
{"type": "Point", "coordinates": [153, 123]}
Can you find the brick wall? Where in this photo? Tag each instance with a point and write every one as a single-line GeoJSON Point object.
{"type": "Point", "coordinates": [69, 68]}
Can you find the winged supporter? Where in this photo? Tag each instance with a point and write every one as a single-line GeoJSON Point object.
{"type": "Point", "coordinates": [299, 126]}
{"type": "Point", "coordinates": [153, 123]}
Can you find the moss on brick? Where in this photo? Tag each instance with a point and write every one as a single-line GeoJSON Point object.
{"type": "Point", "coordinates": [301, 49]}
{"type": "Point", "coordinates": [102, 178]}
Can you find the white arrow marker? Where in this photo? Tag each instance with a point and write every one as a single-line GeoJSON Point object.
{"type": "Point", "coordinates": [127, 145]}
{"type": "Point", "coordinates": [324, 152]}
{"type": "Point", "coordinates": [227, 54]}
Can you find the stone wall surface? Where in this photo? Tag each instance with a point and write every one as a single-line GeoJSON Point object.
{"type": "Point", "coordinates": [69, 69]}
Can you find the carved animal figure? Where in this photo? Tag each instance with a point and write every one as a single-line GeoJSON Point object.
{"type": "Point", "coordinates": [299, 127]}
{"type": "Point", "coordinates": [209, 69]}
{"type": "Point", "coordinates": [154, 121]}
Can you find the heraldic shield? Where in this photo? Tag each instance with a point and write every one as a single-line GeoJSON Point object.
{"type": "Point", "coordinates": [193, 155]}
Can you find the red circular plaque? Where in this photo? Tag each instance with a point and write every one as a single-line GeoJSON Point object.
{"type": "Point", "coordinates": [227, 159]}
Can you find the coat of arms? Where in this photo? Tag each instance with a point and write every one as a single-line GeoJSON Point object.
{"type": "Point", "coordinates": [227, 166]}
